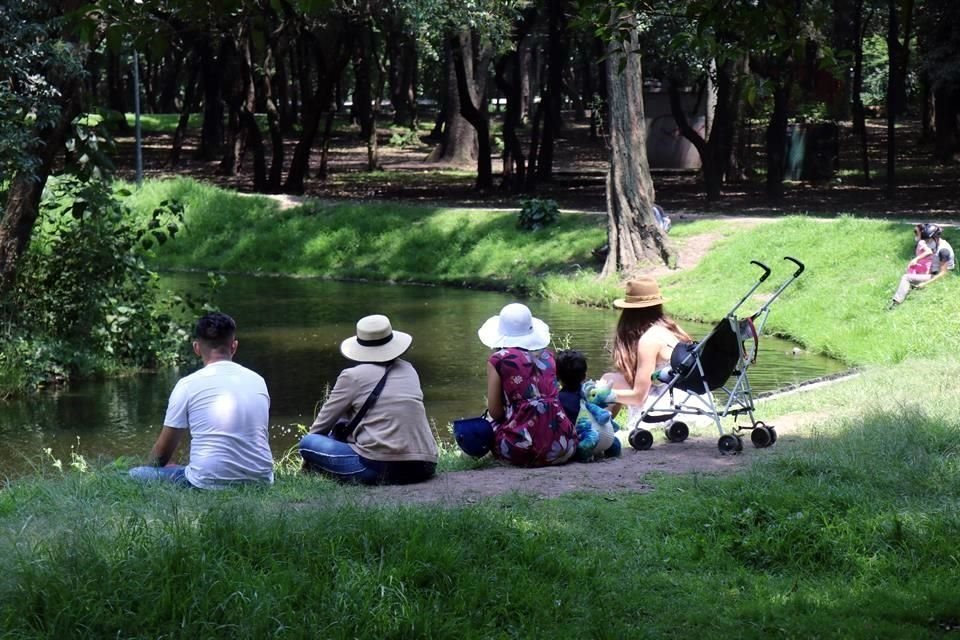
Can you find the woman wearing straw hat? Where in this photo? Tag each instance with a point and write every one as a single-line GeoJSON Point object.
{"type": "Point", "coordinates": [531, 429]}
{"type": "Point", "coordinates": [392, 442]}
{"type": "Point", "coordinates": [644, 342]}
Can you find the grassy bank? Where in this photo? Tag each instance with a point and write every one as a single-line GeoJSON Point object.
{"type": "Point", "coordinates": [848, 532]}
{"type": "Point", "coordinates": [376, 241]}
{"type": "Point", "coordinates": [837, 307]}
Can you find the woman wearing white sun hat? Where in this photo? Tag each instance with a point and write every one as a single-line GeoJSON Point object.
{"type": "Point", "coordinates": [392, 442]}
{"type": "Point", "coordinates": [531, 429]}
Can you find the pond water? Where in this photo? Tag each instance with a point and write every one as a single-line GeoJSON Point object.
{"type": "Point", "coordinates": [290, 331]}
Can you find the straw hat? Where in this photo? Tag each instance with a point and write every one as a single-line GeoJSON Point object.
{"type": "Point", "coordinates": [376, 341]}
{"type": "Point", "coordinates": [515, 326]}
{"type": "Point", "coordinates": [641, 292]}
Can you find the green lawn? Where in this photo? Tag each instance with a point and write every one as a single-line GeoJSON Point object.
{"type": "Point", "coordinates": [845, 530]}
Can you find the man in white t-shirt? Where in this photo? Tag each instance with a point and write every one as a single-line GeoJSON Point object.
{"type": "Point", "coordinates": [226, 408]}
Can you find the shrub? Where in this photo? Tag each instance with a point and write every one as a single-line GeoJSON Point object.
{"type": "Point", "coordinates": [537, 213]}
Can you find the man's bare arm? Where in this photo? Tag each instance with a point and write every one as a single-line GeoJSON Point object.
{"type": "Point", "coordinates": [166, 444]}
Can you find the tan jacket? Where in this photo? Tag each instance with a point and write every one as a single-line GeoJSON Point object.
{"type": "Point", "coordinates": [395, 429]}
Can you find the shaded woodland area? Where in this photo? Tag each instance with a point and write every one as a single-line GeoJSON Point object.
{"type": "Point", "coordinates": [533, 97]}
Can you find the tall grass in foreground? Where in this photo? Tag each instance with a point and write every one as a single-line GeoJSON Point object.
{"type": "Point", "coordinates": [848, 531]}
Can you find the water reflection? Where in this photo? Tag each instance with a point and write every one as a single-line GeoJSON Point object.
{"type": "Point", "coordinates": [290, 331]}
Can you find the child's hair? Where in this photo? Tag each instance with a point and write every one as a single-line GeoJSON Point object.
{"type": "Point", "coordinates": [571, 369]}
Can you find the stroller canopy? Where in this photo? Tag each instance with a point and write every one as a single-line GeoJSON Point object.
{"type": "Point", "coordinates": [718, 355]}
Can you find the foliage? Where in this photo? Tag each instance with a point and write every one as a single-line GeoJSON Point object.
{"type": "Point", "coordinates": [875, 71]}
{"type": "Point", "coordinates": [808, 540]}
{"type": "Point", "coordinates": [404, 138]}
{"type": "Point", "coordinates": [84, 286]}
{"type": "Point", "coordinates": [33, 63]}
{"type": "Point", "coordinates": [537, 213]}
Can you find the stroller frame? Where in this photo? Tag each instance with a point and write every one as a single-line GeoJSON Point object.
{"type": "Point", "coordinates": [688, 373]}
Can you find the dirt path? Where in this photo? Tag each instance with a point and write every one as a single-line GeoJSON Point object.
{"type": "Point", "coordinates": [633, 471]}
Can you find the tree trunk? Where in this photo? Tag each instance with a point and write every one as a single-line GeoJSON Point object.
{"type": "Point", "coordinates": [402, 56]}
{"type": "Point", "coordinates": [473, 104]}
{"type": "Point", "coordinates": [26, 188]}
{"type": "Point", "coordinates": [363, 77]}
{"type": "Point", "coordinates": [892, 106]}
{"type": "Point", "coordinates": [777, 140]}
{"type": "Point", "coordinates": [234, 94]}
{"type": "Point", "coordinates": [859, 114]}
{"type": "Point", "coordinates": [211, 133]}
{"type": "Point", "coordinates": [189, 102]}
{"type": "Point", "coordinates": [716, 148]}
{"type": "Point", "coordinates": [332, 56]}
{"type": "Point", "coordinates": [633, 234]}
{"type": "Point", "coordinates": [459, 142]}
{"type": "Point", "coordinates": [553, 96]}
{"type": "Point", "coordinates": [946, 106]}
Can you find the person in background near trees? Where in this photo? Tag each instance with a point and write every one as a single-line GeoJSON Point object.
{"type": "Point", "coordinates": [644, 342]}
{"type": "Point", "coordinates": [393, 443]}
{"type": "Point", "coordinates": [531, 428]}
{"type": "Point", "coordinates": [226, 408]}
{"type": "Point", "coordinates": [942, 261]}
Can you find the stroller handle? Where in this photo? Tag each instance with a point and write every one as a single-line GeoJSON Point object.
{"type": "Point", "coordinates": [766, 269]}
{"type": "Point", "coordinates": [798, 263]}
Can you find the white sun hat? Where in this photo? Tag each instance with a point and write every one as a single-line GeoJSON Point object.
{"type": "Point", "coordinates": [515, 327]}
{"type": "Point", "coordinates": [376, 341]}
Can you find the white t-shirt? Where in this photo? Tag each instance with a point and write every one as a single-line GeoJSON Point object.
{"type": "Point", "coordinates": [226, 407]}
{"type": "Point", "coordinates": [943, 257]}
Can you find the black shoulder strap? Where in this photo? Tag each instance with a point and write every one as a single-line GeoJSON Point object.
{"type": "Point", "coordinates": [371, 400]}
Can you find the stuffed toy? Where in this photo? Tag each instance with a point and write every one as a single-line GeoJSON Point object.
{"type": "Point", "coordinates": [595, 426]}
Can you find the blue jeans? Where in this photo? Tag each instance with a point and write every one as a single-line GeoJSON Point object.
{"type": "Point", "coordinates": [338, 459]}
{"type": "Point", "coordinates": [174, 474]}
{"type": "Point", "coordinates": [324, 454]}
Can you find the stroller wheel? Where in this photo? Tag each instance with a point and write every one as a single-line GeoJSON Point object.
{"type": "Point", "coordinates": [640, 439]}
{"type": "Point", "coordinates": [773, 433]}
{"type": "Point", "coordinates": [730, 443]}
{"type": "Point", "coordinates": [761, 436]}
{"type": "Point", "coordinates": [677, 432]}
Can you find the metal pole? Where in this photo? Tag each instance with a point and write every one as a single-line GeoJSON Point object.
{"type": "Point", "coordinates": [136, 117]}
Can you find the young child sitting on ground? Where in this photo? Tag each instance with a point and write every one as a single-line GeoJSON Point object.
{"type": "Point", "coordinates": [923, 258]}
{"type": "Point", "coordinates": [584, 402]}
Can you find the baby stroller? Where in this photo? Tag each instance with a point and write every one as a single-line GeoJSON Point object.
{"type": "Point", "coordinates": [699, 368]}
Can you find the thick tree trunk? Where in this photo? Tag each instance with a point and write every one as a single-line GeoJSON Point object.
{"type": "Point", "coordinates": [633, 234]}
{"type": "Point", "coordinates": [473, 104]}
{"type": "Point", "coordinates": [459, 142]}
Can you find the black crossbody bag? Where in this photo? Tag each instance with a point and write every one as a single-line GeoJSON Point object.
{"type": "Point", "coordinates": [343, 428]}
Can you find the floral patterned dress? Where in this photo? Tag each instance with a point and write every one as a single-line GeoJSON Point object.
{"type": "Point", "coordinates": [537, 431]}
